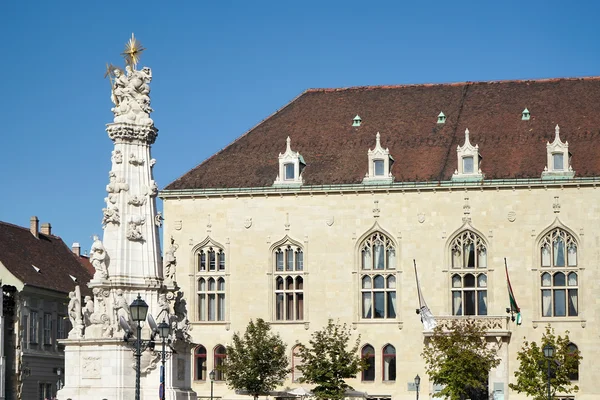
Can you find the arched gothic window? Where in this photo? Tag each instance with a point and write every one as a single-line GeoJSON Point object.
{"type": "Point", "coordinates": [219, 359]}
{"type": "Point", "coordinates": [368, 353]}
{"type": "Point", "coordinates": [296, 361]}
{"type": "Point", "coordinates": [389, 363]}
{"type": "Point", "coordinates": [559, 279]}
{"type": "Point", "coordinates": [469, 274]}
{"type": "Point", "coordinates": [378, 279]}
{"type": "Point", "coordinates": [200, 363]}
{"type": "Point", "coordinates": [210, 282]}
{"type": "Point", "coordinates": [573, 351]}
{"type": "Point", "coordinates": [289, 282]}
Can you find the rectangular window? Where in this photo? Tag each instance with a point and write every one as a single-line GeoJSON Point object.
{"type": "Point", "coordinates": [289, 171]}
{"type": "Point", "coordinates": [366, 305]}
{"type": "Point", "coordinates": [289, 306]}
{"type": "Point", "coordinates": [279, 306]}
{"type": "Point", "coordinates": [469, 303]}
{"type": "Point", "coordinates": [60, 327]}
{"type": "Point", "coordinates": [47, 328]}
{"type": "Point", "coordinates": [559, 303]}
{"type": "Point", "coordinates": [379, 256]}
{"type": "Point", "coordinates": [557, 159]}
{"type": "Point", "coordinates": [202, 307]}
{"type": "Point", "coordinates": [546, 303]}
{"type": "Point", "coordinates": [482, 302]}
{"type": "Point", "coordinates": [457, 303]}
{"type": "Point", "coordinates": [202, 266]}
{"type": "Point", "coordinates": [289, 260]}
{"type": "Point", "coordinates": [470, 255]}
{"type": "Point", "coordinates": [299, 306]}
{"type": "Point", "coordinates": [33, 327]}
{"type": "Point", "coordinates": [211, 260]}
{"type": "Point", "coordinates": [391, 304]}
{"type": "Point", "coordinates": [299, 260]}
{"type": "Point", "coordinates": [379, 304]}
{"type": "Point", "coordinates": [572, 302]}
{"type": "Point", "coordinates": [221, 310]}
{"type": "Point", "coordinates": [45, 391]}
{"type": "Point", "coordinates": [378, 167]}
{"type": "Point", "coordinates": [279, 260]}
{"type": "Point", "coordinates": [25, 331]}
{"type": "Point", "coordinates": [467, 165]}
{"type": "Point", "coordinates": [221, 261]}
{"type": "Point", "coordinates": [211, 307]}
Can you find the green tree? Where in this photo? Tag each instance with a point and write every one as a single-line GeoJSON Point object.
{"type": "Point", "coordinates": [460, 359]}
{"type": "Point", "coordinates": [256, 362]}
{"type": "Point", "coordinates": [327, 361]}
{"type": "Point", "coordinates": [532, 375]}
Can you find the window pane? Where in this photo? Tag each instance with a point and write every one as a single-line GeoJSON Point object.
{"type": "Point", "coordinates": [201, 285]}
{"type": "Point", "coordinates": [559, 303]}
{"type": "Point", "coordinates": [366, 305]}
{"type": "Point", "coordinates": [470, 255]}
{"type": "Point", "coordinates": [279, 260]}
{"type": "Point", "coordinates": [299, 306]}
{"type": "Point", "coordinates": [299, 283]}
{"type": "Point", "coordinates": [299, 260]}
{"type": "Point", "coordinates": [467, 165]}
{"type": "Point", "coordinates": [572, 255]}
{"type": "Point", "coordinates": [559, 253]}
{"type": "Point", "coordinates": [546, 281]}
{"type": "Point", "coordinates": [211, 260]}
{"type": "Point", "coordinates": [391, 258]}
{"type": "Point", "coordinates": [279, 283]}
{"type": "Point", "coordinates": [378, 282]}
{"type": "Point", "coordinates": [221, 284]}
{"type": "Point", "coordinates": [379, 167]}
{"type": "Point", "coordinates": [482, 302]}
{"type": "Point", "coordinates": [558, 161]}
{"type": "Point", "coordinates": [379, 254]}
{"type": "Point", "coordinates": [481, 280]}
{"type": "Point", "coordinates": [289, 171]}
{"type": "Point", "coordinates": [211, 285]}
{"type": "Point", "coordinates": [279, 306]}
{"type": "Point", "coordinates": [379, 304]}
{"type": "Point", "coordinates": [202, 307]}
{"type": "Point", "coordinates": [289, 260]}
{"type": "Point", "coordinates": [546, 303]}
{"type": "Point", "coordinates": [457, 303]}
{"type": "Point", "coordinates": [391, 282]}
{"type": "Point", "coordinates": [573, 303]}
{"type": "Point", "coordinates": [366, 282]}
{"type": "Point", "coordinates": [211, 307]}
{"type": "Point", "coordinates": [546, 255]}
{"type": "Point", "coordinates": [559, 279]}
{"type": "Point", "coordinates": [469, 302]}
{"type": "Point", "coordinates": [456, 281]}
{"type": "Point", "coordinates": [366, 259]}
{"type": "Point", "coordinates": [221, 261]}
{"type": "Point", "coordinates": [202, 266]}
{"type": "Point", "coordinates": [572, 279]}
{"type": "Point", "coordinates": [456, 259]}
{"type": "Point", "coordinates": [389, 363]}
{"type": "Point", "coordinates": [469, 281]}
{"type": "Point", "coordinates": [369, 355]}
{"type": "Point", "coordinates": [289, 283]}
{"type": "Point", "coordinates": [289, 309]}
{"type": "Point", "coordinates": [482, 258]}
{"type": "Point", "coordinates": [221, 309]}
{"type": "Point", "coordinates": [391, 304]}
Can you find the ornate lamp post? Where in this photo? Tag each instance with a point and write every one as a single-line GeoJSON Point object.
{"type": "Point", "coordinates": [212, 380]}
{"type": "Point", "coordinates": [417, 384]}
{"type": "Point", "coordinates": [163, 331]}
{"type": "Point", "coordinates": [139, 310]}
{"type": "Point", "coordinates": [549, 354]}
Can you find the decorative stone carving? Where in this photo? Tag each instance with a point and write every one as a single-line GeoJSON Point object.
{"type": "Point", "coordinates": [330, 221]}
{"type": "Point", "coordinates": [115, 186]}
{"type": "Point", "coordinates": [133, 160]}
{"type": "Point", "coordinates": [152, 162]}
{"type": "Point", "coordinates": [110, 215]}
{"type": "Point", "coordinates": [421, 217]}
{"type": "Point", "coordinates": [137, 200]}
{"type": "Point", "coordinates": [131, 95]}
{"type": "Point", "coordinates": [152, 189]}
{"type": "Point", "coordinates": [120, 309]}
{"type": "Point", "coordinates": [134, 230]}
{"type": "Point", "coordinates": [558, 159]}
{"type": "Point", "coordinates": [158, 219]}
{"type": "Point", "coordinates": [466, 212]}
{"type": "Point", "coordinates": [90, 367]}
{"type": "Point", "coordinates": [291, 165]}
{"type": "Point", "coordinates": [165, 308]}
{"type": "Point", "coordinates": [88, 311]}
{"type": "Point", "coordinates": [512, 216]}
{"type": "Point", "coordinates": [99, 259]}
{"type": "Point", "coordinates": [117, 157]}
{"type": "Point", "coordinates": [469, 162]}
{"type": "Point", "coordinates": [75, 316]}
{"type": "Point", "coordinates": [128, 132]}
{"type": "Point", "coordinates": [180, 325]}
{"type": "Point", "coordinates": [170, 262]}
{"type": "Point", "coordinates": [380, 164]}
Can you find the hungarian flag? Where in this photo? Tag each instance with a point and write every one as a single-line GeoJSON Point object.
{"type": "Point", "coordinates": [514, 307]}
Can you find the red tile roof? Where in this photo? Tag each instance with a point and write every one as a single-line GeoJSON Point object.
{"type": "Point", "coordinates": [20, 250]}
{"type": "Point", "coordinates": [319, 123]}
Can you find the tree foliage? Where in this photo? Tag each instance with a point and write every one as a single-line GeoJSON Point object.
{"type": "Point", "coordinates": [327, 361]}
{"type": "Point", "coordinates": [256, 362]}
{"type": "Point", "coordinates": [460, 359]}
{"type": "Point", "coordinates": [532, 375]}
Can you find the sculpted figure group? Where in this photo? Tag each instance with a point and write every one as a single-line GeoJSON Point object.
{"type": "Point", "coordinates": [131, 95]}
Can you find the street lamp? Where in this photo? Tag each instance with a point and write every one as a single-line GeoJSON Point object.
{"type": "Point", "coordinates": [549, 354]}
{"type": "Point", "coordinates": [212, 380]}
{"type": "Point", "coordinates": [417, 384]}
{"type": "Point", "coordinates": [139, 310]}
{"type": "Point", "coordinates": [163, 331]}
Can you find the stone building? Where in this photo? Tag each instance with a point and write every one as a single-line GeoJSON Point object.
{"type": "Point", "coordinates": [37, 272]}
{"type": "Point", "coordinates": [319, 211]}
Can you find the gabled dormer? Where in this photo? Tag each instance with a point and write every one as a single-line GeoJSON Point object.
{"type": "Point", "coordinates": [469, 162]}
{"type": "Point", "coordinates": [380, 164]}
{"type": "Point", "coordinates": [291, 165]}
{"type": "Point", "coordinates": [558, 165]}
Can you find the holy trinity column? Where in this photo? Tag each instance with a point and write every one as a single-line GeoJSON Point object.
{"type": "Point", "coordinates": [98, 362]}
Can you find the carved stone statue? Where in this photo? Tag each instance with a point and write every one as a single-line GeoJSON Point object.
{"type": "Point", "coordinates": [88, 311]}
{"type": "Point", "coordinates": [180, 323]}
{"type": "Point", "coordinates": [98, 259]}
{"type": "Point", "coordinates": [121, 309]}
{"type": "Point", "coordinates": [74, 310]}
{"type": "Point", "coordinates": [110, 215]}
{"type": "Point", "coordinates": [158, 219]}
{"type": "Point", "coordinates": [134, 231]}
{"type": "Point", "coordinates": [137, 200]}
{"type": "Point", "coordinates": [131, 95]}
{"type": "Point", "coordinates": [170, 261]}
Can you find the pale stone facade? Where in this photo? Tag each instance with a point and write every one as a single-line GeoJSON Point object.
{"type": "Point", "coordinates": [330, 227]}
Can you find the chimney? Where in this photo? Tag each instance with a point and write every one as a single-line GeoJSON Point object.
{"type": "Point", "coordinates": [34, 224]}
{"type": "Point", "coordinates": [46, 228]}
{"type": "Point", "coordinates": [76, 249]}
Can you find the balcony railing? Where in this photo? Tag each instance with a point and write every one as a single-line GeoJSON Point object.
{"type": "Point", "coordinates": [494, 325]}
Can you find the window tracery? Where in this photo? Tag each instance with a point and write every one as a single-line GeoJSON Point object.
{"type": "Point", "coordinates": [210, 282]}
{"type": "Point", "coordinates": [377, 278]}
{"type": "Point", "coordinates": [289, 282]}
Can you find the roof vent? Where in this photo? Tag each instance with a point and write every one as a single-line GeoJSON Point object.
{"type": "Point", "coordinates": [525, 115]}
{"type": "Point", "coordinates": [356, 121]}
{"type": "Point", "coordinates": [73, 278]}
{"type": "Point", "coordinates": [441, 118]}
{"type": "Point", "coordinates": [36, 268]}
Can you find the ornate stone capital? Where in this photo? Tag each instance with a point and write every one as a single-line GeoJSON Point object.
{"type": "Point", "coordinates": [132, 132]}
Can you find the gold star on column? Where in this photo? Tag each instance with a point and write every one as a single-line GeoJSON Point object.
{"type": "Point", "coordinates": [133, 51]}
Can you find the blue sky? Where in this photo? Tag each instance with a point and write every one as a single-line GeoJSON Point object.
{"type": "Point", "coordinates": [220, 67]}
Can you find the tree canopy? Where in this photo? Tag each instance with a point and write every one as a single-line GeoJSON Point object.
{"type": "Point", "coordinates": [460, 358]}
{"type": "Point", "coordinates": [327, 361]}
{"type": "Point", "coordinates": [532, 374]}
{"type": "Point", "coordinates": [256, 362]}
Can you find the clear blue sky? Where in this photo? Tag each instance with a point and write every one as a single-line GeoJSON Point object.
{"type": "Point", "coordinates": [220, 67]}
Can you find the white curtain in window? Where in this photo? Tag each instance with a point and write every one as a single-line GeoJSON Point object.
{"type": "Point", "coordinates": [391, 259]}
{"type": "Point", "coordinates": [573, 303]}
{"type": "Point", "coordinates": [456, 259]}
{"type": "Point", "coordinates": [559, 253]}
{"type": "Point", "coordinates": [221, 314]}
{"type": "Point", "coordinates": [545, 255]}
{"type": "Point", "coordinates": [546, 303]}
{"type": "Point", "coordinates": [378, 256]}
{"type": "Point", "coordinates": [366, 262]}
{"type": "Point", "coordinates": [482, 294]}
{"type": "Point", "coordinates": [392, 305]}
{"type": "Point", "coordinates": [482, 258]}
{"type": "Point", "coordinates": [202, 307]}
{"type": "Point", "coordinates": [367, 312]}
{"type": "Point", "coordinates": [572, 255]}
{"type": "Point", "coordinates": [457, 303]}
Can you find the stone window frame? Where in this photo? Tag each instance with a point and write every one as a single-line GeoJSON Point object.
{"type": "Point", "coordinates": [281, 275]}
{"type": "Point", "coordinates": [557, 147]}
{"type": "Point", "coordinates": [220, 273]}
{"type": "Point", "coordinates": [468, 151]}
{"type": "Point", "coordinates": [379, 154]}
{"type": "Point", "coordinates": [285, 159]}
{"type": "Point", "coordinates": [468, 235]}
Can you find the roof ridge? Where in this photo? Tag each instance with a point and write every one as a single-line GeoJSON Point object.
{"type": "Point", "coordinates": [25, 228]}
{"type": "Point", "coordinates": [398, 86]}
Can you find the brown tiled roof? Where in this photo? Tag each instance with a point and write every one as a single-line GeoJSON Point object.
{"type": "Point", "coordinates": [20, 250]}
{"type": "Point", "coordinates": [319, 123]}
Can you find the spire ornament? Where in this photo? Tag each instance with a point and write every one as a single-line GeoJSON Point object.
{"type": "Point", "coordinates": [133, 51]}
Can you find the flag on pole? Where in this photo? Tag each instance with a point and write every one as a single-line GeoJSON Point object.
{"type": "Point", "coordinates": [426, 316]}
{"type": "Point", "coordinates": [514, 307]}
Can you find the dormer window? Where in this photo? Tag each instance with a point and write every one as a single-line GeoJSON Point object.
{"type": "Point", "coordinates": [525, 115]}
{"type": "Point", "coordinates": [380, 164]}
{"type": "Point", "coordinates": [559, 159]}
{"type": "Point", "coordinates": [291, 165]}
{"type": "Point", "coordinates": [469, 162]}
{"type": "Point", "coordinates": [441, 118]}
{"type": "Point", "coordinates": [356, 121]}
